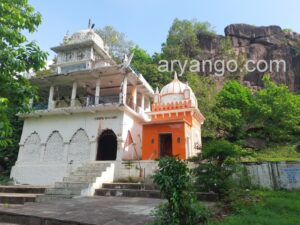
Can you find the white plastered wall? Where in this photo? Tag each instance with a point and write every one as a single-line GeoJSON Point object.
{"type": "Point", "coordinates": [196, 135]}
{"type": "Point", "coordinates": [132, 152]}
{"type": "Point", "coordinates": [42, 170]}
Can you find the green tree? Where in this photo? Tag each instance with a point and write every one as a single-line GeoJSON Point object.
{"type": "Point", "coordinates": [272, 113]}
{"type": "Point", "coordinates": [205, 92]}
{"type": "Point", "coordinates": [276, 112]}
{"type": "Point", "coordinates": [16, 56]}
{"type": "Point", "coordinates": [233, 108]}
{"type": "Point", "coordinates": [182, 39]}
{"type": "Point", "coordinates": [116, 41]}
{"type": "Point", "coordinates": [175, 182]}
{"type": "Point", "coordinates": [215, 167]}
{"type": "Point", "coordinates": [147, 65]}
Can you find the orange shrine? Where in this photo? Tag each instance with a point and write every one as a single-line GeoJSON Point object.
{"type": "Point", "coordinates": [175, 125]}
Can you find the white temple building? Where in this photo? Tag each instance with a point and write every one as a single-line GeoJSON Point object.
{"type": "Point", "coordinates": [83, 113]}
{"type": "Point", "coordinates": [86, 111]}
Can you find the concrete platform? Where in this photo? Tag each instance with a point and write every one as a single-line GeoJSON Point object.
{"type": "Point", "coordinates": [82, 211]}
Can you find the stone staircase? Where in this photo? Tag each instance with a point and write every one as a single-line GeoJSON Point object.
{"type": "Point", "coordinates": [144, 191]}
{"type": "Point", "coordinates": [19, 194]}
{"type": "Point", "coordinates": [82, 182]}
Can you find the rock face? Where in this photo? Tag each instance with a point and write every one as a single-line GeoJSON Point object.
{"type": "Point", "coordinates": [260, 43]}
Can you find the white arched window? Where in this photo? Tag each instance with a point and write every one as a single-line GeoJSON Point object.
{"type": "Point", "coordinates": [79, 147]}
{"type": "Point", "coordinates": [54, 148]}
{"type": "Point", "coordinates": [32, 148]}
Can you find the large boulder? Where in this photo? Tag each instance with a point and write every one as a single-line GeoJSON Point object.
{"type": "Point", "coordinates": [252, 32]}
{"type": "Point", "coordinates": [267, 43]}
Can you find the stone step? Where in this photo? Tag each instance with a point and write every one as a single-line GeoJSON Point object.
{"type": "Point", "coordinates": [128, 193]}
{"type": "Point", "coordinates": [89, 170]}
{"type": "Point", "coordinates": [135, 186]}
{"type": "Point", "coordinates": [81, 179]}
{"type": "Point", "coordinates": [77, 181]}
{"type": "Point", "coordinates": [47, 198]}
{"type": "Point", "coordinates": [17, 198]}
{"type": "Point", "coordinates": [86, 173]}
{"type": "Point", "coordinates": [22, 189]}
{"type": "Point", "coordinates": [104, 191]}
{"type": "Point", "coordinates": [95, 166]}
{"type": "Point", "coordinates": [71, 185]}
{"type": "Point", "coordinates": [63, 191]}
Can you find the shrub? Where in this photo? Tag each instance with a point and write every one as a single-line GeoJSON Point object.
{"type": "Point", "coordinates": [215, 167]}
{"type": "Point", "coordinates": [182, 207]}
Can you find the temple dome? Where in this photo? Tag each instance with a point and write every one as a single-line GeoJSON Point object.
{"type": "Point", "coordinates": [175, 92]}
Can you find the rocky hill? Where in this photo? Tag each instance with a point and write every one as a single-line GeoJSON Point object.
{"type": "Point", "coordinates": [259, 43]}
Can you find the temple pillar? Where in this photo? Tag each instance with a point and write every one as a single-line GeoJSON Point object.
{"type": "Point", "coordinates": [97, 91]}
{"type": "Point", "coordinates": [143, 102]}
{"type": "Point", "coordinates": [74, 91]}
{"type": "Point", "coordinates": [134, 98]}
{"type": "Point", "coordinates": [147, 104]}
{"type": "Point", "coordinates": [124, 91]}
{"type": "Point", "coordinates": [50, 100]}
{"type": "Point", "coordinates": [30, 103]}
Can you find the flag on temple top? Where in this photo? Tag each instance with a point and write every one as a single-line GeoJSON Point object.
{"type": "Point", "coordinates": [129, 140]}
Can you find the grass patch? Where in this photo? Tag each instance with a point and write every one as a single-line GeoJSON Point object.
{"type": "Point", "coordinates": [274, 208]}
{"type": "Point", "coordinates": [274, 154]}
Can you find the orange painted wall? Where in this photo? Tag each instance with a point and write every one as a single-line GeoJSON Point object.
{"type": "Point", "coordinates": [173, 116]}
{"type": "Point", "coordinates": [150, 147]}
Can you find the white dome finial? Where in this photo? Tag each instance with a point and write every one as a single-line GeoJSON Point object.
{"type": "Point", "coordinates": [175, 76]}
{"type": "Point", "coordinates": [156, 91]}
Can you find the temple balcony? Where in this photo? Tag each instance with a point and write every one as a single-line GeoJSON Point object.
{"type": "Point", "coordinates": [87, 101]}
{"type": "Point", "coordinates": [91, 91]}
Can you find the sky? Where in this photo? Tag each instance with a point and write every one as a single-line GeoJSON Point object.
{"type": "Point", "coordinates": [146, 22]}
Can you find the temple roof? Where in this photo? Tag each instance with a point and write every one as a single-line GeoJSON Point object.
{"type": "Point", "coordinates": [174, 92]}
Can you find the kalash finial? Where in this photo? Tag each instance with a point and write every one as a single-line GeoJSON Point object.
{"type": "Point", "coordinates": [175, 76]}
{"type": "Point", "coordinates": [156, 91]}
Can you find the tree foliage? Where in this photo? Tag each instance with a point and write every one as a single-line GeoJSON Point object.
{"type": "Point", "coordinates": [276, 112]}
{"type": "Point", "coordinates": [272, 113]}
{"type": "Point", "coordinates": [215, 167]}
{"type": "Point", "coordinates": [182, 40]}
{"type": "Point", "coordinates": [205, 92]}
{"type": "Point", "coordinates": [147, 65]}
{"type": "Point", "coordinates": [182, 207]}
{"type": "Point", "coordinates": [16, 56]}
{"type": "Point", "coordinates": [116, 41]}
{"type": "Point", "coordinates": [233, 107]}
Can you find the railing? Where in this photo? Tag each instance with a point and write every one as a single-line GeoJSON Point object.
{"type": "Point", "coordinates": [93, 100]}
{"type": "Point", "coordinates": [63, 103]}
{"type": "Point", "coordinates": [78, 102]}
{"type": "Point", "coordinates": [40, 106]}
{"type": "Point", "coordinates": [109, 99]}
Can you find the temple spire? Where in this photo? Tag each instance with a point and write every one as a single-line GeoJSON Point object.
{"type": "Point", "coordinates": [175, 76]}
{"type": "Point", "coordinates": [156, 91]}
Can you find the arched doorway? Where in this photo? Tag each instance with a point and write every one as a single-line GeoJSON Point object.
{"type": "Point", "coordinates": [107, 146]}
